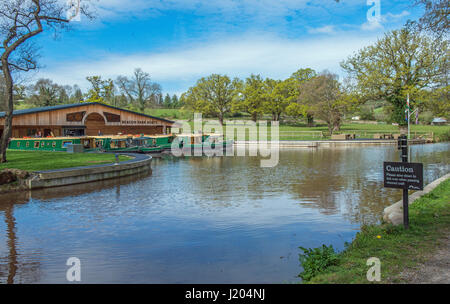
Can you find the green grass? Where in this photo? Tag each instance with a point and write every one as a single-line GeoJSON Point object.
{"type": "Point", "coordinates": [320, 131]}
{"type": "Point", "coordinates": [39, 161]}
{"type": "Point", "coordinates": [398, 249]}
{"type": "Point", "coordinates": [173, 114]}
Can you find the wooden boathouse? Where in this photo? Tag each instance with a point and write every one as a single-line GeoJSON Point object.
{"type": "Point", "coordinates": [90, 119]}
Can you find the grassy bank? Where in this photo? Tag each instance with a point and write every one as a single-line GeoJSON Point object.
{"type": "Point", "coordinates": [39, 161]}
{"type": "Point", "coordinates": [398, 249]}
{"type": "Point", "coordinates": [320, 131]}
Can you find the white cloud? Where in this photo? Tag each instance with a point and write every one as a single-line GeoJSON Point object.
{"type": "Point", "coordinates": [377, 23]}
{"type": "Point", "coordinates": [240, 56]}
{"type": "Point", "coordinates": [327, 29]}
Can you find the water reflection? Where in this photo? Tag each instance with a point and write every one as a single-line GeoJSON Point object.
{"type": "Point", "coordinates": [197, 220]}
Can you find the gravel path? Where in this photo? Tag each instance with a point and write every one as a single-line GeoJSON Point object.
{"type": "Point", "coordinates": [436, 269]}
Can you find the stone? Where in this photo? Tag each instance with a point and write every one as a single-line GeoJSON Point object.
{"type": "Point", "coordinates": [8, 176]}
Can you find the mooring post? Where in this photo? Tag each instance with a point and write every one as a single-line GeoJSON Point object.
{"type": "Point", "coordinates": [404, 156]}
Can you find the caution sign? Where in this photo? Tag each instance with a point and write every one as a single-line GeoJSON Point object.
{"type": "Point", "coordinates": [403, 175]}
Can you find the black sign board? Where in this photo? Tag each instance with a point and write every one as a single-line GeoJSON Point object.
{"type": "Point", "coordinates": [403, 175]}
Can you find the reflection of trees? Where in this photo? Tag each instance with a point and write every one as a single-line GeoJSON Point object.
{"type": "Point", "coordinates": [16, 270]}
{"type": "Point", "coordinates": [319, 181]}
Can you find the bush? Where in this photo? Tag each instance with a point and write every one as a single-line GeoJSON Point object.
{"type": "Point", "coordinates": [316, 260]}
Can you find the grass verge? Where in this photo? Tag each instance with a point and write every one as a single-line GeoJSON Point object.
{"type": "Point", "coordinates": [398, 249]}
{"type": "Point", "coordinates": [39, 161]}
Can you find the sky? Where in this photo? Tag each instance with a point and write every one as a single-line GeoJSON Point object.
{"type": "Point", "coordinates": [179, 41]}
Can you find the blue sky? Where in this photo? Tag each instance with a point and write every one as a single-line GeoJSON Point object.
{"type": "Point", "coordinates": [179, 41]}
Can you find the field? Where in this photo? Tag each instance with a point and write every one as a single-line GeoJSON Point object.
{"type": "Point", "coordinates": [39, 161]}
{"type": "Point", "coordinates": [299, 131]}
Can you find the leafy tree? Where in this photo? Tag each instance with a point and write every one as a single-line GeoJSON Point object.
{"type": "Point", "coordinates": [213, 95]}
{"type": "Point", "coordinates": [140, 89]}
{"type": "Point", "coordinates": [438, 101]}
{"type": "Point", "coordinates": [294, 109]}
{"type": "Point", "coordinates": [167, 101]}
{"type": "Point", "coordinates": [175, 102]}
{"type": "Point", "coordinates": [279, 95]}
{"type": "Point", "coordinates": [252, 96]}
{"type": "Point", "coordinates": [402, 62]}
{"type": "Point", "coordinates": [324, 97]}
{"type": "Point", "coordinates": [101, 91]}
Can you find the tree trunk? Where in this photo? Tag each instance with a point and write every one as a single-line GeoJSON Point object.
{"type": "Point", "coordinates": [254, 116]}
{"type": "Point", "coordinates": [7, 130]}
{"type": "Point", "coordinates": [309, 120]}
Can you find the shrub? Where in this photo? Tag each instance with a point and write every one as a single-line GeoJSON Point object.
{"type": "Point", "coordinates": [316, 260]}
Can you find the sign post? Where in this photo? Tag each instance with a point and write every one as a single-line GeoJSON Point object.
{"type": "Point", "coordinates": [404, 175]}
{"type": "Point", "coordinates": [404, 147]}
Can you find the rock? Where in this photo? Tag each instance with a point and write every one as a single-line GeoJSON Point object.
{"type": "Point", "coordinates": [8, 176]}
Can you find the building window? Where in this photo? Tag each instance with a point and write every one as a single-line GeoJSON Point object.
{"type": "Point", "coordinates": [110, 117]}
{"type": "Point", "coordinates": [75, 117]}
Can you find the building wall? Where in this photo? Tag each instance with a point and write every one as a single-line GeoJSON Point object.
{"type": "Point", "coordinates": [95, 119]}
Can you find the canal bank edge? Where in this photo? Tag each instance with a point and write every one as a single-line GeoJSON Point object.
{"type": "Point", "coordinates": [78, 175]}
{"type": "Point", "coordinates": [394, 213]}
{"type": "Point", "coordinates": [324, 143]}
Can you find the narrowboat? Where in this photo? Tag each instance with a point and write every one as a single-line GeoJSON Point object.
{"type": "Point", "coordinates": [52, 143]}
{"type": "Point", "coordinates": [203, 141]}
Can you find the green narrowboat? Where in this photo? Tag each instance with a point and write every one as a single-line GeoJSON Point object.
{"type": "Point", "coordinates": [202, 141]}
{"type": "Point", "coordinates": [52, 143]}
{"type": "Point", "coordinates": [163, 141]}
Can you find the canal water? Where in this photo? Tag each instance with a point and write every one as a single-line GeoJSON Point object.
{"type": "Point", "coordinates": [202, 220]}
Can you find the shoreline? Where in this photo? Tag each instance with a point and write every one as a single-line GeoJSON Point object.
{"type": "Point", "coordinates": [405, 255]}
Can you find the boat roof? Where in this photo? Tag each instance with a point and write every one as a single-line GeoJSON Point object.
{"type": "Point", "coordinates": [53, 138]}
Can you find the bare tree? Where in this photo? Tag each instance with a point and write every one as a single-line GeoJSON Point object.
{"type": "Point", "coordinates": [139, 89]}
{"type": "Point", "coordinates": [21, 20]}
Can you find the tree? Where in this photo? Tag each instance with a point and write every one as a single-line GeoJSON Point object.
{"type": "Point", "coordinates": [101, 91]}
{"type": "Point", "coordinates": [252, 97]}
{"type": "Point", "coordinates": [402, 62]}
{"type": "Point", "coordinates": [279, 95]}
{"type": "Point", "coordinates": [213, 95]}
{"type": "Point", "coordinates": [167, 101]}
{"type": "Point", "coordinates": [435, 17]}
{"type": "Point", "coordinates": [323, 96]}
{"type": "Point", "coordinates": [77, 96]}
{"type": "Point", "coordinates": [175, 102]}
{"type": "Point", "coordinates": [21, 20]}
{"type": "Point", "coordinates": [139, 89]}
{"type": "Point", "coordinates": [294, 109]}
{"type": "Point", "coordinates": [45, 93]}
